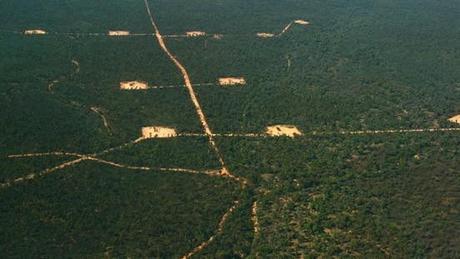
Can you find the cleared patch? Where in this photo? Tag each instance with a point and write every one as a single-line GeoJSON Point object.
{"type": "Point", "coordinates": [133, 85]}
{"type": "Point", "coordinates": [119, 33]}
{"type": "Point", "coordinates": [36, 32]}
{"type": "Point", "coordinates": [302, 22]}
{"type": "Point", "coordinates": [455, 119]}
{"type": "Point", "coordinates": [158, 132]}
{"type": "Point", "coordinates": [195, 33]}
{"type": "Point", "coordinates": [229, 81]}
{"type": "Point", "coordinates": [283, 130]}
{"type": "Point", "coordinates": [265, 35]}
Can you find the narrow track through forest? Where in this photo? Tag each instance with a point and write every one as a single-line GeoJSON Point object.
{"type": "Point", "coordinates": [206, 128]}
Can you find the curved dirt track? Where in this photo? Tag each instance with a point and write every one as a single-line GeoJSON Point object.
{"type": "Point", "coordinates": [220, 229]}
{"type": "Point", "coordinates": [94, 157]}
{"type": "Point", "coordinates": [207, 130]}
{"type": "Point", "coordinates": [191, 91]}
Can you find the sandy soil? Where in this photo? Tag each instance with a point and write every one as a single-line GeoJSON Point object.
{"type": "Point", "coordinates": [35, 31]}
{"type": "Point", "coordinates": [195, 33]}
{"type": "Point", "coordinates": [119, 33]}
{"type": "Point", "coordinates": [158, 132]}
{"type": "Point", "coordinates": [455, 119]}
{"type": "Point", "coordinates": [265, 35]}
{"type": "Point", "coordinates": [225, 81]}
{"type": "Point", "coordinates": [283, 130]}
{"type": "Point", "coordinates": [133, 85]}
{"type": "Point", "coordinates": [302, 22]}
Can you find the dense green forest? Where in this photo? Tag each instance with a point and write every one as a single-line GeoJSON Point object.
{"type": "Point", "coordinates": [354, 196]}
{"type": "Point", "coordinates": [95, 211]}
{"type": "Point", "coordinates": [74, 15]}
{"type": "Point", "coordinates": [358, 65]}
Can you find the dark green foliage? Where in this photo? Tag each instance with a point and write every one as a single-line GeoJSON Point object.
{"type": "Point", "coordinates": [74, 15]}
{"type": "Point", "coordinates": [91, 210]}
{"type": "Point", "coordinates": [45, 120]}
{"type": "Point", "coordinates": [356, 196]}
{"type": "Point", "coordinates": [236, 240]}
{"type": "Point", "coordinates": [12, 168]}
{"type": "Point", "coordinates": [381, 64]}
{"type": "Point", "coordinates": [352, 68]}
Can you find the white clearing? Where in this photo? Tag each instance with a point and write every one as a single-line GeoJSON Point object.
{"type": "Point", "coordinates": [455, 119]}
{"type": "Point", "coordinates": [283, 130]}
{"type": "Point", "coordinates": [119, 33]}
{"type": "Point", "coordinates": [265, 35]}
{"type": "Point", "coordinates": [36, 32]}
{"type": "Point", "coordinates": [302, 22]}
{"type": "Point", "coordinates": [195, 33]}
{"type": "Point", "coordinates": [158, 132]}
{"type": "Point", "coordinates": [225, 81]}
{"type": "Point", "coordinates": [133, 85]}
